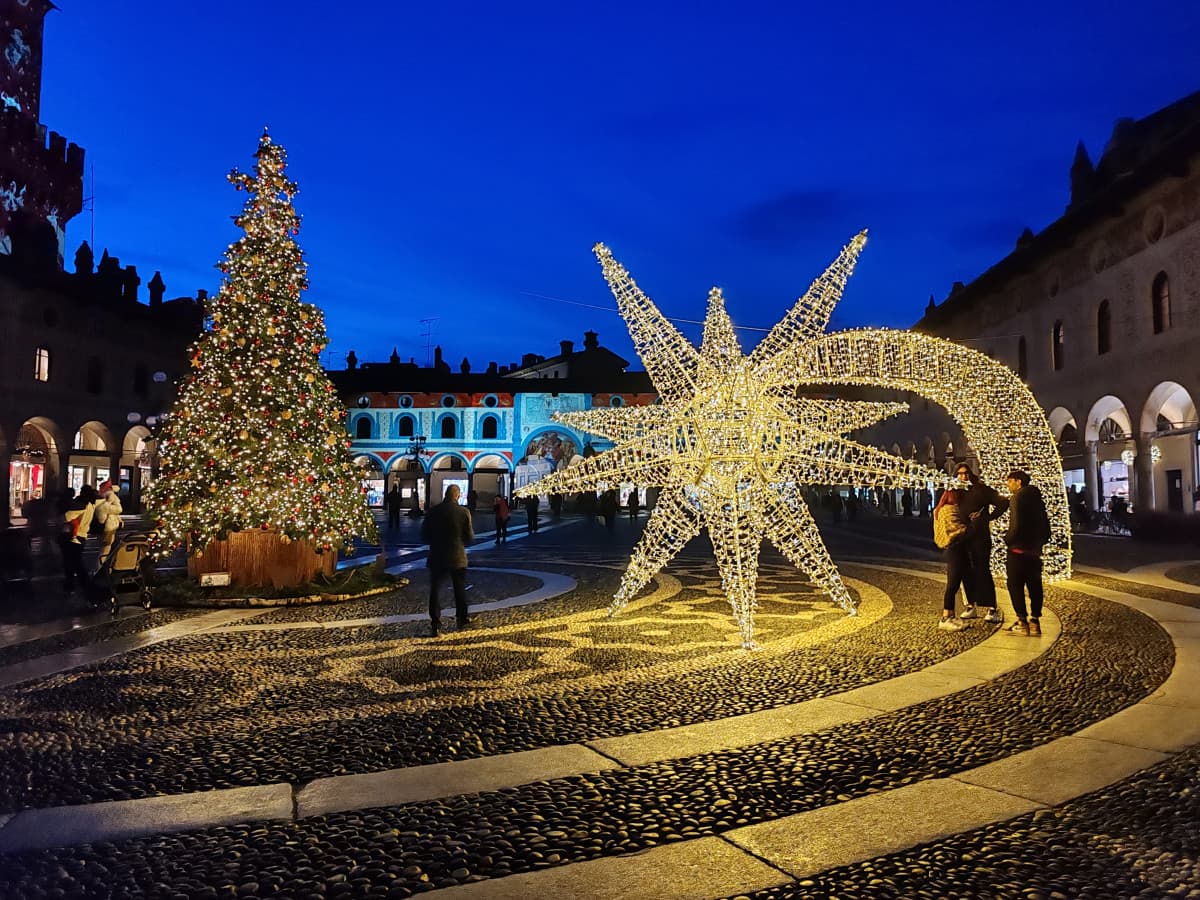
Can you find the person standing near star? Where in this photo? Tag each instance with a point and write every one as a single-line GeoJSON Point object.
{"type": "Point", "coordinates": [447, 530]}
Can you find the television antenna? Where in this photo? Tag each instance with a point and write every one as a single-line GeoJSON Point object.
{"type": "Point", "coordinates": [89, 206]}
{"type": "Point", "coordinates": [428, 335]}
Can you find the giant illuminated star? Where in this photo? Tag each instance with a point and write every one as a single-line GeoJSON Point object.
{"type": "Point", "coordinates": [730, 445]}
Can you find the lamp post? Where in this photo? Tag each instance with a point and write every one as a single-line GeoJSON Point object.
{"type": "Point", "coordinates": [416, 449]}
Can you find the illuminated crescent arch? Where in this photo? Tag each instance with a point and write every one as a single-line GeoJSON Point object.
{"type": "Point", "coordinates": [998, 415]}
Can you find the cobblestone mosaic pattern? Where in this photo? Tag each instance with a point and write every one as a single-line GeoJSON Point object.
{"type": "Point", "coordinates": [483, 587]}
{"type": "Point", "coordinates": [1136, 838]}
{"type": "Point", "coordinates": [244, 708]}
{"type": "Point", "coordinates": [1107, 658]}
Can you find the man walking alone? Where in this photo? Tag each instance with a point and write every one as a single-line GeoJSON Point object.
{"type": "Point", "coordinates": [447, 530]}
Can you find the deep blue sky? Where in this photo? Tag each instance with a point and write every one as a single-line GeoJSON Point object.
{"type": "Point", "coordinates": [459, 160]}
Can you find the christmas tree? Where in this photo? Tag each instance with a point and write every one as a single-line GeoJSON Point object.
{"type": "Point", "coordinates": [256, 440]}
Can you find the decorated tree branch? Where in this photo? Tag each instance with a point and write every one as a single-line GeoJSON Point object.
{"type": "Point", "coordinates": [257, 441]}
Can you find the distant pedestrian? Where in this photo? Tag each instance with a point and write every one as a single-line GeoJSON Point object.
{"type": "Point", "coordinates": [906, 502]}
{"type": "Point", "coordinates": [608, 508]}
{"type": "Point", "coordinates": [1028, 532]}
{"type": "Point", "coordinates": [950, 533]}
{"type": "Point", "coordinates": [852, 507]}
{"type": "Point", "coordinates": [635, 503]}
{"type": "Point", "coordinates": [531, 512]}
{"type": "Point", "coordinates": [503, 512]}
{"type": "Point", "coordinates": [447, 530]}
{"type": "Point", "coordinates": [77, 522]}
{"type": "Point", "coordinates": [981, 505]}
{"type": "Point", "coordinates": [393, 501]}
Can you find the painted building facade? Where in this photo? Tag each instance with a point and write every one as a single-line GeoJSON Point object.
{"type": "Point", "coordinates": [424, 428]}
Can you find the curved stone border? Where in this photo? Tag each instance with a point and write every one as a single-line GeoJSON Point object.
{"type": "Point", "coordinates": [553, 585]}
{"type": "Point", "coordinates": [54, 663]}
{"type": "Point", "coordinates": [795, 847]}
{"type": "Point", "coordinates": [1153, 575]}
{"type": "Point", "coordinates": [272, 602]}
{"type": "Point", "coordinates": [58, 826]}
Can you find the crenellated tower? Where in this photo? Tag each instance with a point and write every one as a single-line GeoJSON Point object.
{"type": "Point", "coordinates": [41, 174]}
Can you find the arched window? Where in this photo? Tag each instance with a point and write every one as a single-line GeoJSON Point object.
{"type": "Point", "coordinates": [95, 376]}
{"type": "Point", "coordinates": [1160, 297]}
{"type": "Point", "coordinates": [405, 427]}
{"type": "Point", "coordinates": [362, 428]}
{"type": "Point", "coordinates": [1070, 434]}
{"type": "Point", "coordinates": [1103, 328]}
{"type": "Point", "coordinates": [1022, 357]}
{"type": "Point", "coordinates": [1056, 345]}
{"type": "Point", "coordinates": [489, 429]}
{"type": "Point", "coordinates": [449, 427]}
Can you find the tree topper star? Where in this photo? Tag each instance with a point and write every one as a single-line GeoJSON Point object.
{"type": "Point", "coordinates": [731, 445]}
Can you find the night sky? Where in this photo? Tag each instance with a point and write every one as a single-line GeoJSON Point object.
{"type": "Point", "coordinates": [459, 161]}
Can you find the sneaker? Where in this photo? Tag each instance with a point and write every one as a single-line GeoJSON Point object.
{"type": "Point", "coordinates": [994, 616]}
{"type": "Point", "coordinates": [951, 625]}
{"type": "Point", "coordinates": [1019, 627]}
{"type": "Point", "coordinates": [969, 613]}
{"type": "Point", "coordinates": [1035, 627]}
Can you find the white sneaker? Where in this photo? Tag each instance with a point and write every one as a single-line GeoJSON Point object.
{"type": "Point", "coordinates": [994, 617]}
{"type": "Point", "coordinates": [969, 613]}
{"type": "Point", "coordinates": [951, 625]}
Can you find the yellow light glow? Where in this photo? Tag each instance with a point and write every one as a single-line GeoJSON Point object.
{"type": "Point", "coordinates": [731, 445]}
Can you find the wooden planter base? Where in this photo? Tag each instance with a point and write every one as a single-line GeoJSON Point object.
{"type": "Point", "coordinates": [262, 558]}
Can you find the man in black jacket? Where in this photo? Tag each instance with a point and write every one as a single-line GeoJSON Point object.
{"type": "Point", "coordinates": [447, 530]}
{"type": "Point", "coordinates": [980, 506]}
{"type": "Point", "coordinates": [1028, 532]}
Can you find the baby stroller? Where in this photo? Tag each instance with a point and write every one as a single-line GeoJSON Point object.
{"type": "Point", "coordinates": [122, 574]}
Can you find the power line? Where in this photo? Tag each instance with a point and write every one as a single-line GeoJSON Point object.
{"type": "Point", "coordinates": [612, 309]}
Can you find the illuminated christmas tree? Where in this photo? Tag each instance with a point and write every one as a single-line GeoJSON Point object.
{"type": "Point", "coordinates": [257, 439]}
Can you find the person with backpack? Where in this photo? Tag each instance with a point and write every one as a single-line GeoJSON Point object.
{"type": "Point", "coordinates": [78, 522]}
{"type": "Point", "coordinates": [951, 534]}
{"type": "Point", "coordinates": [1028, 532]}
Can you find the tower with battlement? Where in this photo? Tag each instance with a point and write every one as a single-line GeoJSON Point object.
{"type": "Point", "coordinates": [41, 174]}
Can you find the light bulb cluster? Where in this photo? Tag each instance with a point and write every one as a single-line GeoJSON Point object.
{"type": "Point", "coordinates": [996, 412]}
{"type": "Point", "coordinates": [257, 437]}
{"type": "Point", "coordinates": [732, 444]}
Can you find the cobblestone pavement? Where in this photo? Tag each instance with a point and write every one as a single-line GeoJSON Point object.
{"type": "Point", "coordinates": [224, 709]}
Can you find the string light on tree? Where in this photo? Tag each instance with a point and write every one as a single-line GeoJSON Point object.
{"type": "Point", "coordinates": [732, 445]}
{"type": "Point", "coordinates": [257, 437]}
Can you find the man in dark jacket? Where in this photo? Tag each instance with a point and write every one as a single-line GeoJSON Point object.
{"type": "Point", "coordinates": [447, 530]}
{"type": "Point", "coordinates": [393, 501]}
{"type": "Point", "coordinates": [1028, 532]}
{"type": "Point", "coordinates": [980, 506]}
